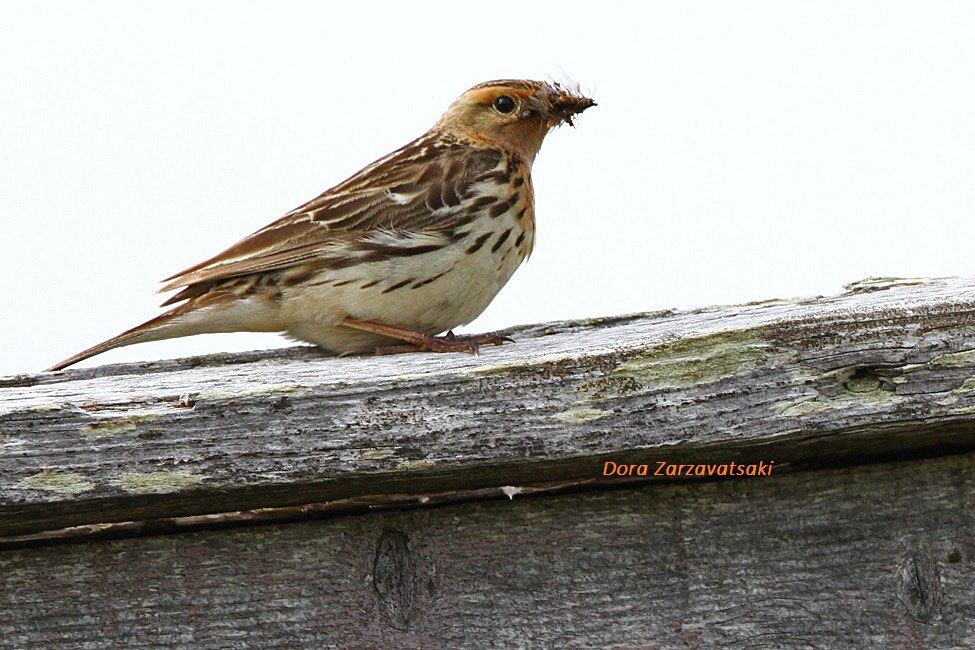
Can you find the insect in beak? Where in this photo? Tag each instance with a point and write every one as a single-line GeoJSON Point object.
{"type": "Point", "coordinates": [564, 105]}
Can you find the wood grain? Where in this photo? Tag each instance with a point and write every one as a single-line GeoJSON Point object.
{"type": "Point", "coordinates": [871, 556]}
{"type": "Point", "coordinates": [883, 370]}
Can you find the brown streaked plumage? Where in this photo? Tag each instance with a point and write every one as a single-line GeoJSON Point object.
{"type": "Point", "coordinates": [415, 244]}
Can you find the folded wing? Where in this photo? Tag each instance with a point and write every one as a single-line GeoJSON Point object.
{"type": "Point", "coordinates": [416, 196]}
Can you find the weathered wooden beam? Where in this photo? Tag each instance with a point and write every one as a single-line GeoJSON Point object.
{"type": "Point", "coordinates": [879, 556]}
{"type": "Point", "coordinates": [886, 369]}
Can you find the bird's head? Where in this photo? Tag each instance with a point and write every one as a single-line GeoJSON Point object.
{"type": "Point", "coordinates": [513, 114]}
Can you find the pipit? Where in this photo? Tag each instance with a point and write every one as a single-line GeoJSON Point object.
{"type": "Point", "coordinates": [413, 245]}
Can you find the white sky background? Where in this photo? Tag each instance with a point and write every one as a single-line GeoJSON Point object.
{"type": "Point", "coordinates": [739, 151]}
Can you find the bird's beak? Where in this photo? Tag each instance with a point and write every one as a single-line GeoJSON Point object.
{"type": "Point", "coordinates": [564, 109]}
{"type": "Point", "coordinates": [563, 105]}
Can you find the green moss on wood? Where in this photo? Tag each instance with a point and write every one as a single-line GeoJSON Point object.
{"type": "Point", "coordinates": [579, 414]}
{"type": "Point", "coordinates": [960, 394]}
{"type": "Point", "coordinates": [695, 361]}
{"type": "Point", "coordinates": [867, 389]}
{"type": "Point", "coordinates": [157, 482]}
{"type": "Point", "coordinates": [954, 359]}
{"type": "Point", "coordinates": [58, 482]}
{"type": "Point", "coordinates": [111, 426]}
{"type": "Point", "coordinates": [858, 388]}
{"type": "Point", "coordinates": [866, 383]}
{"type": "Point", "coordinates": [416, 464]}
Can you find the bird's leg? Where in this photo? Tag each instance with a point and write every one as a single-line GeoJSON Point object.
{"type": "Point", "coordinates": [419, 342]}
{"type": "Point", "coordinates": [416, 338]}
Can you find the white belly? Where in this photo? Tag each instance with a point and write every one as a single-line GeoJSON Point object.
{"type": "Point", "coordinates": [440, 290]}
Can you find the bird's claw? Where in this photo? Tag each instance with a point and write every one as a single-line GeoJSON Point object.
{"type": "Point", "coordinates": [449, 342]}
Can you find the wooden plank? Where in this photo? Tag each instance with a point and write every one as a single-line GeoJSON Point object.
{"type": "Point", "coordinates": [884, 369]}
{"type": "Point", "coordinates": [869, 556]}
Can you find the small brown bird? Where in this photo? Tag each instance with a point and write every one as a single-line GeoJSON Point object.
{"type": "Point", "coordinates": [415, 244]}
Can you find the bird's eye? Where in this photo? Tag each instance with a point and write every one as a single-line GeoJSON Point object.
{"type": "Point", "coordinates": [504, 104]}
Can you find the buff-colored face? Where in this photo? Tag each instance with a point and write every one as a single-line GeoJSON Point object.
{"type": "Point", "coordinates": [513, 114]}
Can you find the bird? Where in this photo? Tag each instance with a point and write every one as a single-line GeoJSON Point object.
{"type": "Point", "coordinates": [415, 244]}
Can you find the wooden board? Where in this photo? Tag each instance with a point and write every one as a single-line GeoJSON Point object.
{"type": "Point", "coordinates": [876, 556]}
{"type": "Point", "coordinates": [884, 370]}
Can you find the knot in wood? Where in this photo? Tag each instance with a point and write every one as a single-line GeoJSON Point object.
{"type": "Point", "coordinates": [920, 587]}
{"type": "Point", "coordinates": [865, 380]}
{"type": "Point", "coordinates": [395, 580]}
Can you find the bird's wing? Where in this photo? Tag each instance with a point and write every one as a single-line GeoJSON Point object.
{"type": "Point", "coordinates": [409, 202]}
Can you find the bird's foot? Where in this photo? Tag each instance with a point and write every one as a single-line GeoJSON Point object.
{"type": "Point", "coordinates": [449, 342]}
{"type": "Point", "coordinates": [418, 342]}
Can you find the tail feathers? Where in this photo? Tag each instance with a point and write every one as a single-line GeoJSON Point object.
{"type": "Point", "coordinates": [210, 313]}
{"type": "Point", "coordinates": [161, 327]}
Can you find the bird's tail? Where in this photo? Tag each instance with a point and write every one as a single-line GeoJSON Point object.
{"type": "Point", "coordinates": [164, 326]}
{"type": "Point", "coordinates": [207, 314]}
